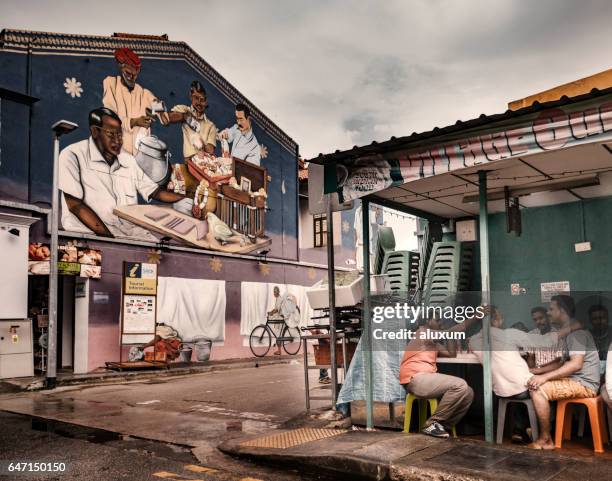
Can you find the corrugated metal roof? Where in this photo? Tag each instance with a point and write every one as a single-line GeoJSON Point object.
{"type": "Point", "coordinates": [395, 143]}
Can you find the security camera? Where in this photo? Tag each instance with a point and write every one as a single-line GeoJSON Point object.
{"type": "Point", "coordinates": [14, 231]}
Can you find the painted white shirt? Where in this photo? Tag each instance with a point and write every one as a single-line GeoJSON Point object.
{"type": "Point", "coordinates": [85, 175]}
{"type": "Point", "coordinates": [244, 146]}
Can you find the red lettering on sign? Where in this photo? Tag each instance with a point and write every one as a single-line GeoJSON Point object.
{"type": "Point", "coordinates": [428, 164]}
{"type": "Point", "coordinates": [551, 129]}
{"type": "Point", "coordinates": [585, 123]}
{"type": "Point", "coordinates": [440, 160]}
{"type": "Point", "coordinates": [517, 140]}
{"type": "Point", "coordinates": [455, 158]}
{"type": "Point", "coordinates": [605, 115]}
{"type": "Point", "coordinates": [477, 154]}
{"type": "Point", "coordinates": [495, 146]}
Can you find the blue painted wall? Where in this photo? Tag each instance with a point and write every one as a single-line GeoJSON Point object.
{"type": "Point", "coordinates": [29, 179]}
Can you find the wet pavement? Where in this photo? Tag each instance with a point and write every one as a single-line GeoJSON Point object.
{"type": "Point", "coordinates": [397, 456]}
{"type": "Point", "coordinates": [91, 454]}
{"type": "Point", "coordinates": [181, 421]}
{"type": "Point", "coordinates": [193, 412]}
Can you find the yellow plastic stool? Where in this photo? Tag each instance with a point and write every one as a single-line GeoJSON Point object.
{"type": "Point", "coordinates": [433, 406]}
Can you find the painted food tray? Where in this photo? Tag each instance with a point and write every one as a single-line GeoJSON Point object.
{"type": "Point", "coordinates": [213, 169]}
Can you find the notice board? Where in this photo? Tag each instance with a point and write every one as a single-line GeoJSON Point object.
{"type": "Point", "coordinates": [139, 302]}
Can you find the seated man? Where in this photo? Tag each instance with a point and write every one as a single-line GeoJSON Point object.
{"type": "Point", "coordinates": [509, 371]}
{"type": "Point", "coordinates": [418, 373]}
{"type": "Point", "coordinates": [578, 377]}
{"type": "Point", "coordinates": [598, 318]}
{"type": "Point", "coordinates": [542, 358]}
{"type": "Point", "coordinates": [606, 388]}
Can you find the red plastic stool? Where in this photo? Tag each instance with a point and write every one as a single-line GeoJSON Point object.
{"type": "Point", "coordinates": [595, 408]}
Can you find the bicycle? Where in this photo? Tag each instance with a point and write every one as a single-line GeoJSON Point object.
{"type": "Point", "coordinates": [260, 339]}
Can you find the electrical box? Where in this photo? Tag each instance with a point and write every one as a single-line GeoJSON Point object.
{"type": "Point", "coordinates": [16, 349]}
{"type": "Point", "coordinates": [466, 230]}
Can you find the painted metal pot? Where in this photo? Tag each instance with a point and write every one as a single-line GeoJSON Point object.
{"type": "Point", "coordinates": [152, 157]}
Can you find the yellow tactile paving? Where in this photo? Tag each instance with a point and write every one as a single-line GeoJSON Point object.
{"type": "Point", "coordinates": [292, 438]}
{"type": "Point", "coordinates": [165, 475]}
{"type": "Point", "coordinates": [199, 469]}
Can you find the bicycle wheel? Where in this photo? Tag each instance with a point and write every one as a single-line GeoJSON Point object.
{"type": "Point", "coordinates": [291, 339]}
{"type": "Point", "coordinates": [260, 340]}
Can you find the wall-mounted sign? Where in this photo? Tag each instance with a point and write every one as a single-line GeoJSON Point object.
{"type": "Point", "coordinates": [550, 289]}
{"type": "Point", "coordinates": [140, 278]}
{"type": "Point", "coordinates": [72, 260]}
{"type": "Point", "coordinates": [101, 297]}
{"type": "Point", "coordinates": [80, 287]}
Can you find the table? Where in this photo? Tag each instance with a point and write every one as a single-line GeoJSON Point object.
{"type": "Point", "coordinates": [462, 358]}
{"type": "Point", "coordinates": [340, 336]}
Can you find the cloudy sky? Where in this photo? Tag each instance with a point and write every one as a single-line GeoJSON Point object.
{"type": "Point", "coordinates": [333, 74]}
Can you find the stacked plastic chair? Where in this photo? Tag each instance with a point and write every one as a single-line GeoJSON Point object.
{"type": "Point", "coordinates": [449, 271]}
{"type": "Point", "coordinates": [431, 233]}
{"type": "Point", "coordinates": [402, 270]}
{"type": "Point", "coordinates": [385, 244]}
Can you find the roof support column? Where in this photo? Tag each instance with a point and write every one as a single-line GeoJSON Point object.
{"type": "Point", "coordinates": [486, 300]}
{"type": "Point", "coordinates": [331, 285]}
{"type": "Point", "coordinates": [366, 332]}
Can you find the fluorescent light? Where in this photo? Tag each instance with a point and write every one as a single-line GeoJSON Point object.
{"type": "Point", "coordinates": [547, 186]}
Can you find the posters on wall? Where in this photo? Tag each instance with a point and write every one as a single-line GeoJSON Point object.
{"type": "Point", "coordinates": [214, 197]}
{"type": "Point", "coordinates": [139, 314]}
{"type": "Point", "coordinates": [550, 289]}
{"type": "Point", "coordinates": [72, 260]}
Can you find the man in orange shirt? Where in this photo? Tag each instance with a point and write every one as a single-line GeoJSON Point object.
{"type": "Point", "coordinates": [418, 374]}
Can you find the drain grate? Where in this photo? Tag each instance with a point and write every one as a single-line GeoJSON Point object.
{"type": "Point", "coordinates": [292, 438]}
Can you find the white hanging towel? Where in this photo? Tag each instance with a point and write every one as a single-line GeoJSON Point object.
{"type": "Point", "coordinates": [194, 307]}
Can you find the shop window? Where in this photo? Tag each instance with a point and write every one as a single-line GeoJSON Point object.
{"type": "Point", "coordinates": [320, 230]}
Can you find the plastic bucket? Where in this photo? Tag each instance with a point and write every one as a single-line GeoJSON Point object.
{"type": "Point", "coordinates": [203, 350]}
{"type": "Point", "coordinates": [185, 354]}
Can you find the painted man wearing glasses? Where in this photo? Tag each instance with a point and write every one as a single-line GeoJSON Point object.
{"type": "Point", "coordinates": [95, 176]}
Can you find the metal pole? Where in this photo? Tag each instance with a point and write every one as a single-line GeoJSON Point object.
{"type": "Point", "coordinates": [52, 348]}
{"type": "Point", "coordinates": [486, 300]}
{"type": "Point", "coordinates": [367, 339]}
{"type": "Point", "coordinates": [331, 283]}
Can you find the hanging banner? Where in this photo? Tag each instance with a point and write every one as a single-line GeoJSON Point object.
{"type": "Point", "coordinates": [554, 129]}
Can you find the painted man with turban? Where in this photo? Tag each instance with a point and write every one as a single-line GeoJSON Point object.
{"type": "Point", "coordinates": [128, 99]}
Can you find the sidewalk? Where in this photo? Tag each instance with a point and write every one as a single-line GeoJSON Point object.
{"type": "Point", "coordinates": [107, 376]}
{"type": "Point", "coordinates": [382, 455]}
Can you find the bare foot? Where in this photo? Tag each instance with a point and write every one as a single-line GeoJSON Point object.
{"type": "Point", "coordinates": [546, 445]}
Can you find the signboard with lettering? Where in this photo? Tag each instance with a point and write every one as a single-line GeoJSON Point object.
{"type": "Point", "coordinates": [549, 130]}
{"type": "Point", "coordinates": [550, 289]}
{"type": "Point", "coordinates": [139, 303]}
{"type": "Point", "coordinates": [140, 278]}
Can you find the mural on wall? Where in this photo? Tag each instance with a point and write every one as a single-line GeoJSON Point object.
{"type": "Point", "coordinates": [119, 182]}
